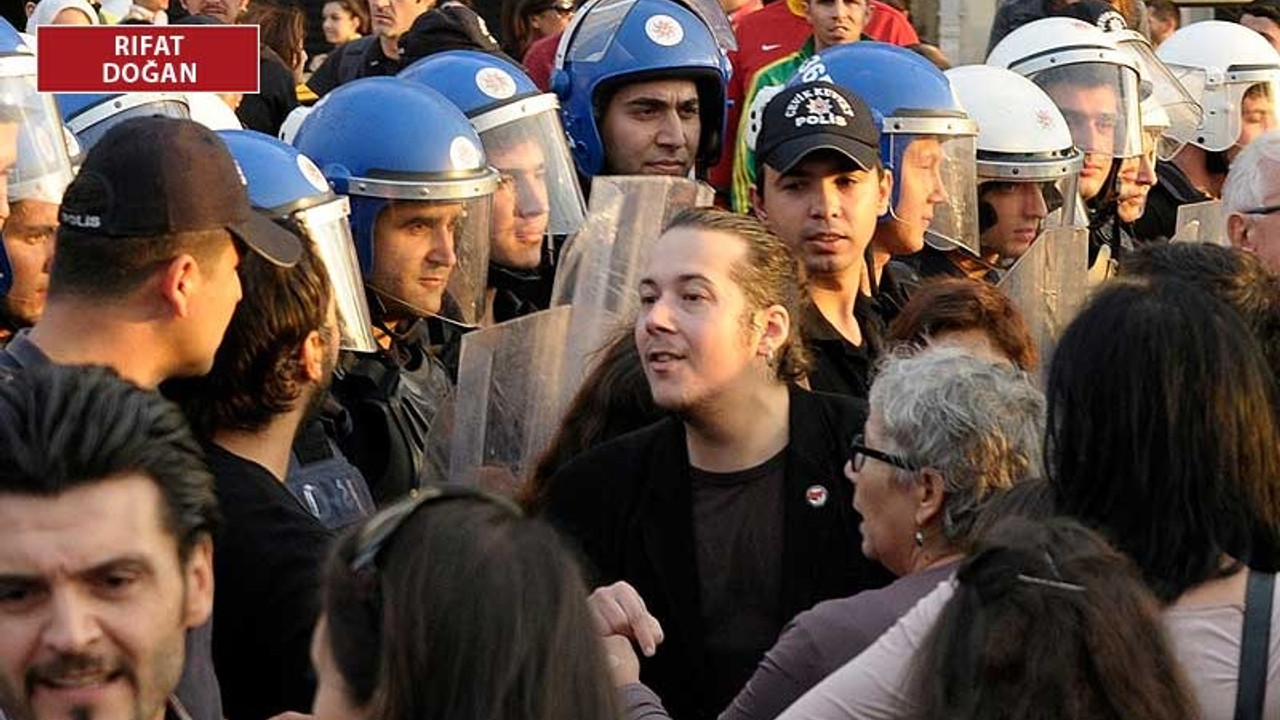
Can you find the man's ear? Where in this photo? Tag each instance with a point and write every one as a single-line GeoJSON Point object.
{"type": "Point", "coordinates": [179, 282]}
{"type": "Point", "coordinates": [313, 356]}
{"type": "Point", "coordinates": [198, 579]}
{"type": "Point", "coordinates": [30, 8]}
{"type": "Point", "coordinates": [757, 205]}
{"type": "Point", "coordinates": [1238, 233]}
{"type": "Point", "coordinates": [776, 327]}
{"type": "Point", "coordinates": [886, 192]}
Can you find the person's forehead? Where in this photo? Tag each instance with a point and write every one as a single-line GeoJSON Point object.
{"type": "Point", "coordinates": [669, 90]}
{"type": "Point", "coordinates": [1259, 22]}
{"type": "Point", "coordinates": [1079, 96]}
{"type": "Point", "coordinates": [688, 252]}
{"type": "Point", "coordinates": [406, 209]}
{"type": "Point", "coordinates": [819, 164]}
{"type": "Point", "coordinates": [84, 527]}
{"type": "Point", "coordinates": [517, 154]}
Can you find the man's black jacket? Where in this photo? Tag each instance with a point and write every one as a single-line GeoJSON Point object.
{"type": "Point", "coordinates": [629, 505]}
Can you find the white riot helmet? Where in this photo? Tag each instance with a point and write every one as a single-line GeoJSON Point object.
{"type": "Point", "coordinates": [1218, 63]}
{"type": "Point", "coordinates": [1022, 138]}
{"type": "Point", "coordinates": [1080, 67]}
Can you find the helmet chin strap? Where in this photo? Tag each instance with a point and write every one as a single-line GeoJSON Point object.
{"type": "Point", "coordinates": [382, 302]}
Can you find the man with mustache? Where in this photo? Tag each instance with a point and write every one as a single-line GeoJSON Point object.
{"type": "Point", "coordinates": [834, 22]}
{"type": "Point", "coordinates": [228, 11]}
{"type": "Point", "coordinates": [822, 188]}
{"type": "Point", "coordinates": [106, 556]}
{"type": "Point", "coordinates": [652, 101]}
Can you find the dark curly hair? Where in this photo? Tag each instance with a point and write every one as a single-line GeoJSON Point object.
{"type": "Point", "coordinates": [256, 371]}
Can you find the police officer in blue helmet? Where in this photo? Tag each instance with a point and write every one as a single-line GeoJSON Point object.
{"type": "Point", "coordinates": [928, 143]}
{"type": "Point", "coordinates": [33, 154]}
{"type": "Point", "coordinates": [642, 86]}
{"type": "Point", "coordinates": [90, 115]}
{"type": "Point", "coordinates": [420, 194]}
{"type": "Point", "coordinates": [539, 199]}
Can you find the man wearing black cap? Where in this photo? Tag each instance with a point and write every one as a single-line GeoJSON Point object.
{"type": "Point", "coordinates": [821, 190]}
{"type": "Point", "coordinates": [144, 279]}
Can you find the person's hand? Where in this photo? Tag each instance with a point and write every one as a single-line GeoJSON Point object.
{"type": "Point", "coordinates": [624, 666]}
{"type": "Point", "coordinates": [619, 610]}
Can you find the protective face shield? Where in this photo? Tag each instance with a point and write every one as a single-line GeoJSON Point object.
{"type": "Point", "coordinates": [1049, 284]}
{"type": "Point", "coordinates": [1219, 63]}
{"type": "Point", "coordinates": [91, 116]}
{"type": "Point", "coordinates": [1093, 83]}
{"type": "Point", "coordinates": [32, 145]}
{"type": "Point", "coordinates": [520, 128]}
{"type": "Point", "coordinates": [285, 185]}
{"type": "Point", "coordinates": [927, 138]}
{"type": "Point", "coordinates": [1022, 140]}
{"type": "Point", "coordinates": [424, 178]}
{"type": "Point", "coordinates": [1159, 87]}
{"type": "Point", "coordinates": [611, 42]}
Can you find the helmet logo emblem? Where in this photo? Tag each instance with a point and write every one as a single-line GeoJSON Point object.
{"type": "Point", "coordinates": [464, 154]}
{"type": "Point", "coordinates": [1044, 119]}
{"type": "Point", "coordinates": [312, 173]}
{"type": "Point", "coordinates": [496, 83]}
{"type": "Point", "coordinates": [1110, 21]}
{"type": "Point", "coordinates": [664, 30]}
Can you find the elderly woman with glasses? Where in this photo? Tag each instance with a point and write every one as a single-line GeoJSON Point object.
{"type": "Point", "coordinates": [947, 432]}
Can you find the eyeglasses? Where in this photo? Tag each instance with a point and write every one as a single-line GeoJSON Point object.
{"type": "Point", "coordinates": [1268, 210]}
{"type": "Point", "coordinates": [858, 454]}
{"type": "Point", "coordinates": [379, 530]}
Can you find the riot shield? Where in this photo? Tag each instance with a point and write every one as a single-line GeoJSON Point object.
{"type": "Point", "coordinates": [511, 391]}
{"type": "Point", "coordinates": [1202, 222]}
{"type": "Point", "coordinates": [600, 266]}
{"type": "Point", "coordinates": [1048, 284]}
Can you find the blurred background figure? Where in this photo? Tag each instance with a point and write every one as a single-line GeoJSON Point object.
{"type": "Point", "coordinates": [966, 313]}
{"type": "Point", "coordinates": [1165, 19]}
{"type": "Point", "coordinates": [524, 22]}
{"type": "Point", "coordinates": [281, 59]}
{"type": "Point", "coordinates": [60, 12]}
{"type": "Point", "coordinates": [1263, 16]}
{"type": "Point", "coordinates": [344, 21]}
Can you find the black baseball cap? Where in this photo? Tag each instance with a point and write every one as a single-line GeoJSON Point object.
{"type": "Point", "coordinates": [817, 116]}
{"type": "Point", "coordinates": [156, 175]}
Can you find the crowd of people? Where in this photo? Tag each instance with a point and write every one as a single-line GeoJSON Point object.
{"type": "Point", "coordinates": [648, 359]}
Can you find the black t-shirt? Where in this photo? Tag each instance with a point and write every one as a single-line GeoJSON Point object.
{"type": "Point", "coordinates": [277, 96]}
{"type": "Point", "coordinates": [738, 522]}
{"type": "Point", "coordinates": [267, 561]}
{"type": "Point", "coordinates": [835, 364]}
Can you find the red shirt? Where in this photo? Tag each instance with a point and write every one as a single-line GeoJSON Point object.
{"type": "Point", "coordinates": [540, 59]}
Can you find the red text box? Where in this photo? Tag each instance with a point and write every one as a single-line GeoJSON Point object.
{"type": "Point", "coordinates": [147, 58]}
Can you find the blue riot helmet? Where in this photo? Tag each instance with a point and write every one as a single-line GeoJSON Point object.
{"type": "Point", "coordinates": [90, 115]}
{"type": "Point", "coordinates": [611, 43]}
{"type": "Point", "coordinates": [32, 144]}
{"type": "Point", "coordinates": [413, 168]}
{"type": "Point", "coordinates": [927, 139]}
{"type": "Point", "coordinates": [523, 139]}
{"type": "Point", "coordinates": [288, 187]}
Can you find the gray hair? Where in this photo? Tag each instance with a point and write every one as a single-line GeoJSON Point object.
{"type": "Point", "coordinates": [1252, 182]}
{"type": "Point", "coordinates": [980, 424]}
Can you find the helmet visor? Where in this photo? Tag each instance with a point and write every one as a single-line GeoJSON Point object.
{"type": "Point", "coordinates": [539, 194]}
{"type": "Point", "coordinates": [32, 144]}
{"type": "Point", "coordinates": [1014, 213]}
{"type": "Point", "coordinates": [330, 233]}
{"type": "Point", "coordinates": [90, 125]}
{"type": "Point", "coordinates": [597, 24]}
{"type": "Point", "coordinates": [1100, 103]}
{"type": "Point", "coordinates": [938, 187]}
{"type": "Point", "coordinates": [1159, 84]}
{"type": "Point", "coordinates": [1242, 100]}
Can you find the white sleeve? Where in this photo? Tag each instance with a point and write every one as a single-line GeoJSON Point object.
{"type": "Point", "coordinates": [875, 685]}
